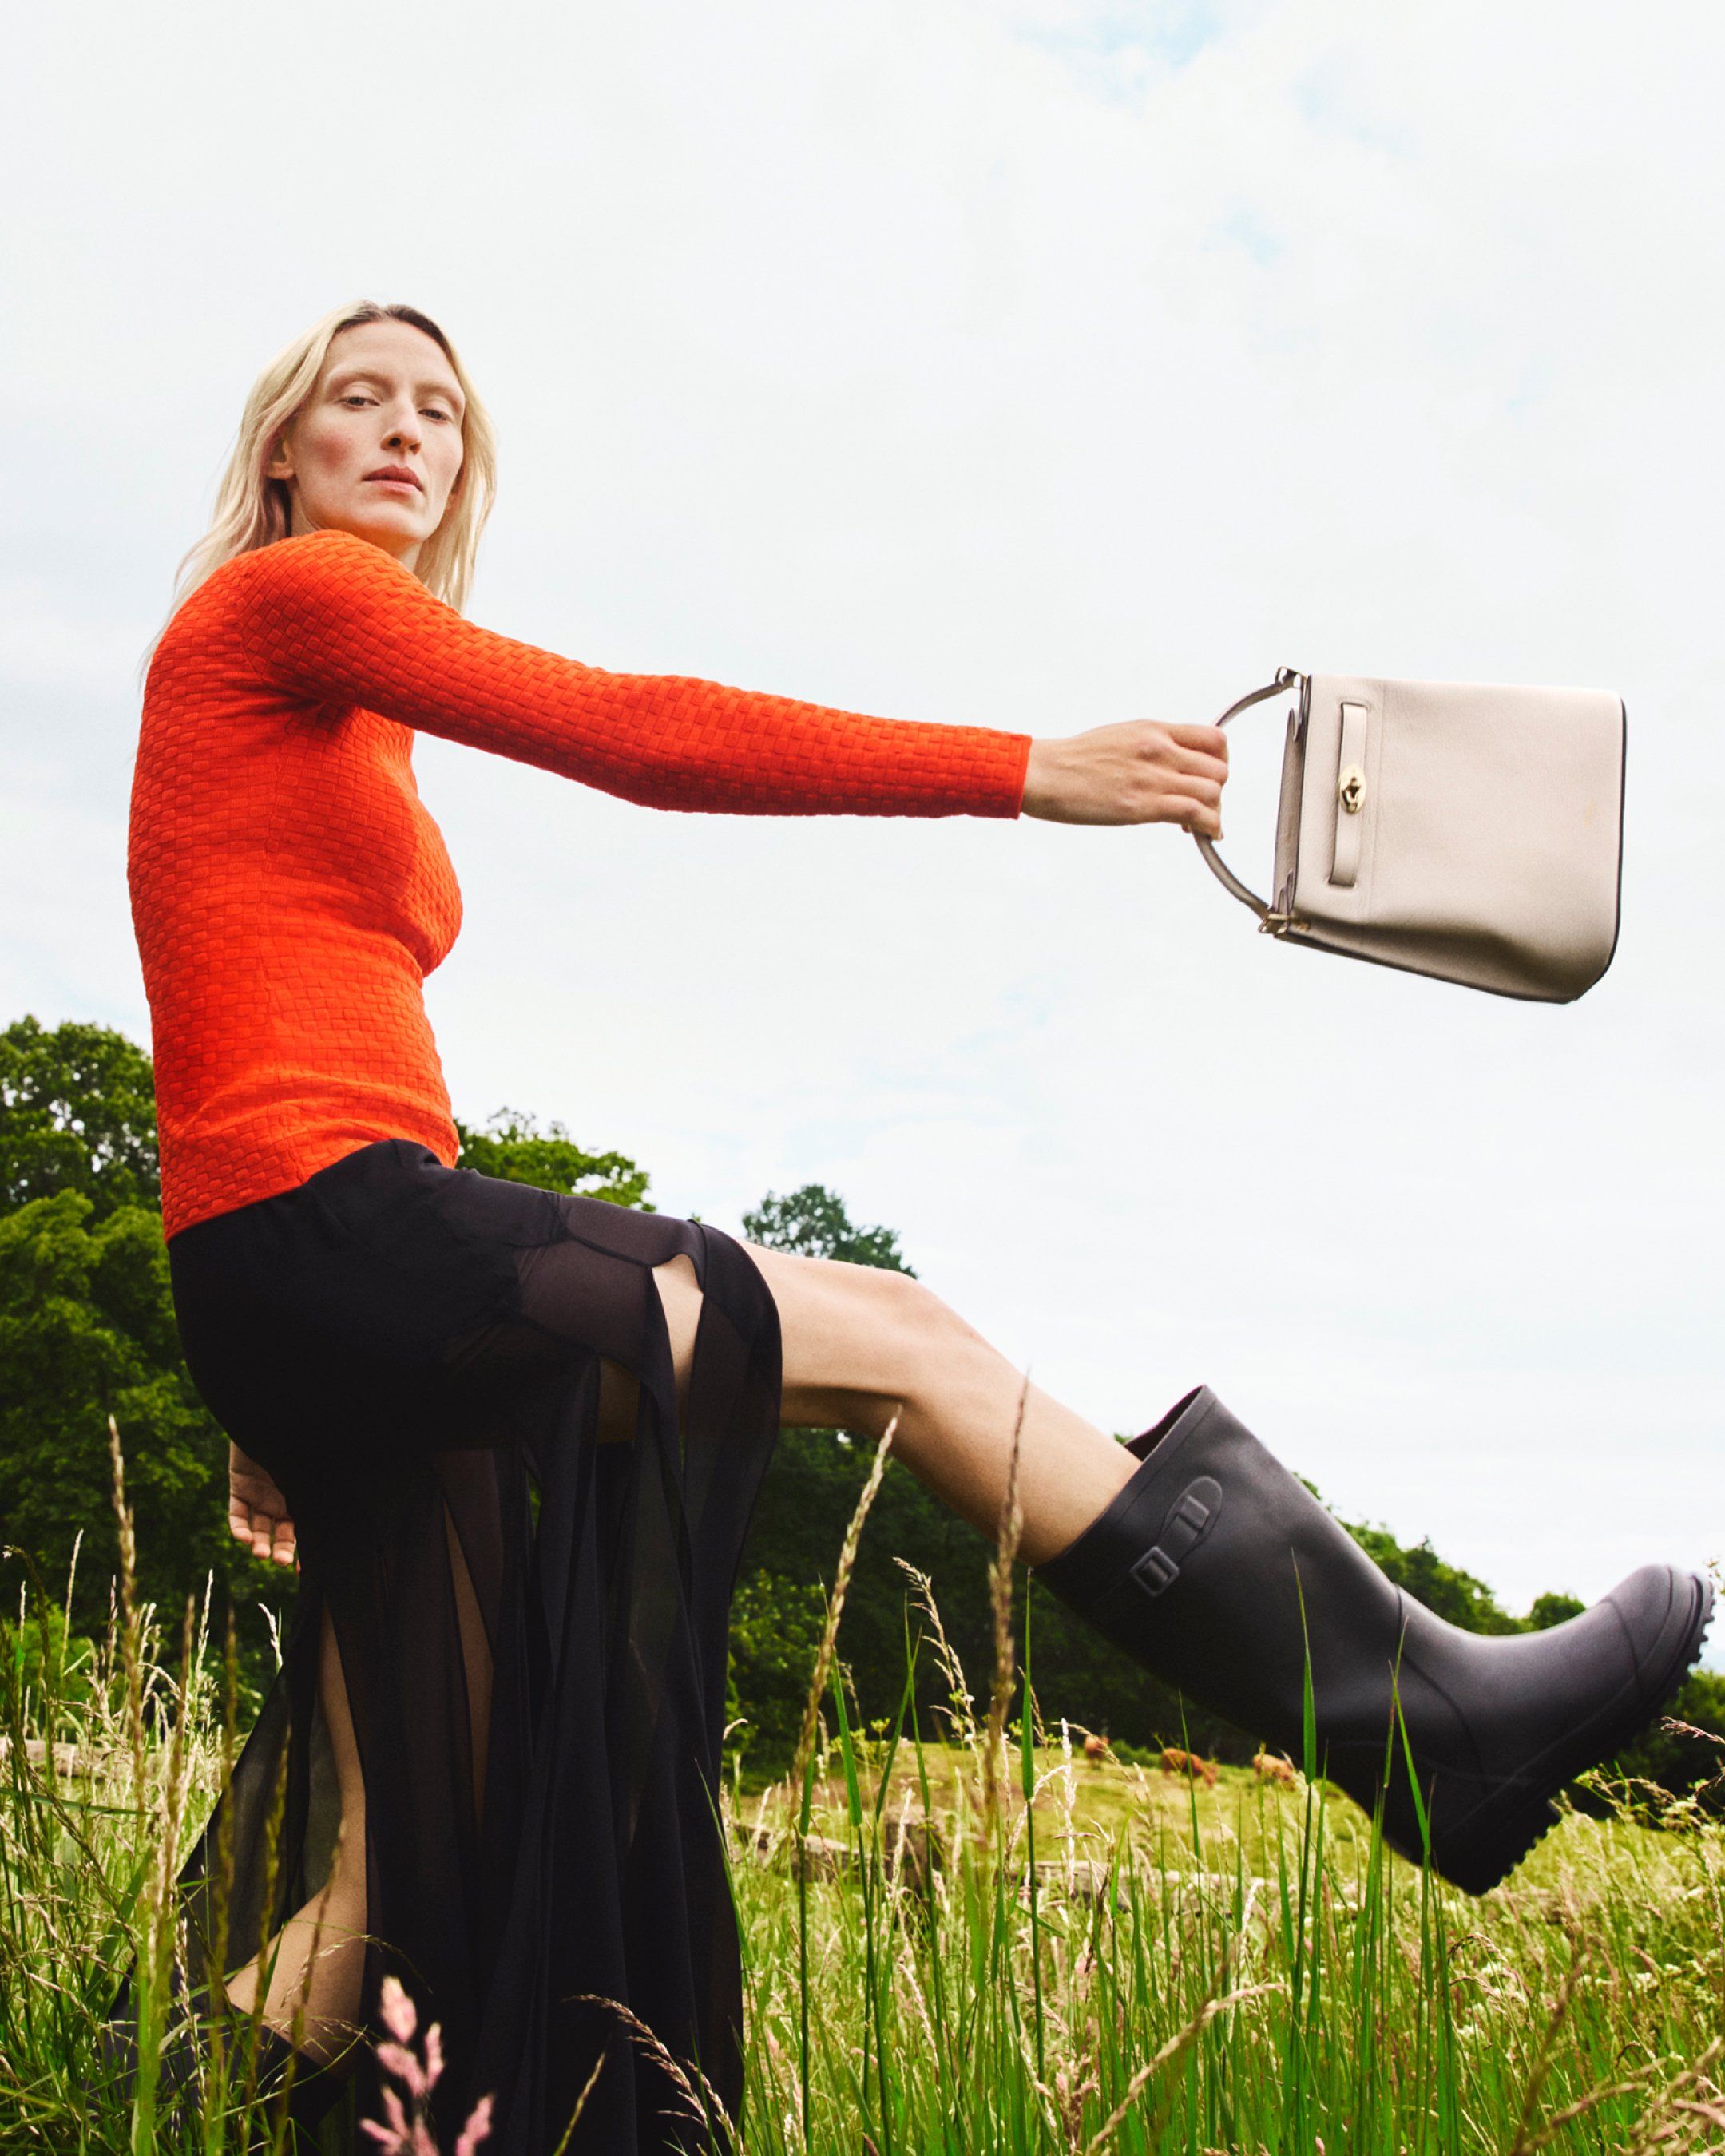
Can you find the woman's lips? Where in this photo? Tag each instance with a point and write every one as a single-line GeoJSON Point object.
{"type": "Point", "coordinates": [394, 476]}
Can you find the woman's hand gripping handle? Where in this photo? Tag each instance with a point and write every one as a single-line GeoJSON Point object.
{"type": "Point", "coordinates": [1140, 772]}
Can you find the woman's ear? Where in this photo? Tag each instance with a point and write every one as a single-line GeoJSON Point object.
{"type": "Point", "coordinates": [281, 464]}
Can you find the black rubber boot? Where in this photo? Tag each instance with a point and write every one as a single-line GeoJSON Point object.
{"type": "Point", "coordinates": [1216, 1570]}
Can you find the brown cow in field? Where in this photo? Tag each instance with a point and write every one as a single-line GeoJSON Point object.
{"type": "Point", "coordinates": [1271, 1767]}
{"type": "Point", "coordinates": [1096, 1747]}
{"type": "Point", "coordinates": [1177, 1762]}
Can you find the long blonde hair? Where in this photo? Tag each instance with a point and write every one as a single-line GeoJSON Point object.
{"type": "Point", "coordinates": [252, 509]}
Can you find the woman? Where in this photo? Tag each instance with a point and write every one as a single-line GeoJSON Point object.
{"type": "Point", "coordinates": [514, 1438]}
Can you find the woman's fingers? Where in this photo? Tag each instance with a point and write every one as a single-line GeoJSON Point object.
{"type": "Point", "coordinates": [1201, 818]}
{"type": "Point", "coordinates": [1199, 757]}
{"type": "Point", "coordinates": [1208, 741]}
{"type": "Point", "coordinates": [1192, 801]}
{"type": "Point", "coordinates": [266, 1535]}
{"type": "Point", "coordinates": [255, 1529]}
{"type": "Point", "coordinates": [1160, 745]}
{"type": "Point", "coordinates": [273, 1539]}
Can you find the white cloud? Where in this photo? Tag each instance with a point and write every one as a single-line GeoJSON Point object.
{"type": "Point", "coordinates": [1037, 365]}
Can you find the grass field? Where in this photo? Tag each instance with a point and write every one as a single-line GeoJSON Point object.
{"type": "Point", "coordinates": [1234, 1968]}
{"type": "Point", "coordinates": [980, 1944]}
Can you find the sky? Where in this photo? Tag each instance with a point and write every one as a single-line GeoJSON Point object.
{"type": "Point", "coordinates": [1032, 366]}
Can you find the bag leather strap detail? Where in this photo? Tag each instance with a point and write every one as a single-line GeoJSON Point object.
{"type": "Point", "coordinates": [1350, 795]}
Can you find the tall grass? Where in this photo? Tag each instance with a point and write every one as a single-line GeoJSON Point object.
{"type": "Point", "coordinates": [969, 1938]}
{"type": "Point", "coordinates": [111, 1755]}
{"type": "Point", "coordinates": [1126, 1961]}
{"type": "Point", "coordinates": [1236, 1966]}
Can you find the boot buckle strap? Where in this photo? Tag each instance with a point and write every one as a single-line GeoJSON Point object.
{"type": "Point", "coordinates": [1185, 1527]}
{"type": "Point", "coordinates": [1155, 1570]}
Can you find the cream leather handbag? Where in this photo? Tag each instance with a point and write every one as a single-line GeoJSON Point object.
{"type": "Point", "coordinates": [1469, 832]}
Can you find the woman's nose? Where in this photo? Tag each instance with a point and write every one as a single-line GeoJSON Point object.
{"type": "Point", "coordinates": [404, 431]}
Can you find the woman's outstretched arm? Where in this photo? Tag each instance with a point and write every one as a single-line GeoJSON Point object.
{"type": "Point", "coordinates": [331, 617]}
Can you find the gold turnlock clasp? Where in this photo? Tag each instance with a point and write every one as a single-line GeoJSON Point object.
{"type": "Point", "coordinates": [1351, 790]}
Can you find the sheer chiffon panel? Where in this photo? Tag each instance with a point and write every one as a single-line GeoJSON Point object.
{"type": "Point", "coordinates": [531, 1624]}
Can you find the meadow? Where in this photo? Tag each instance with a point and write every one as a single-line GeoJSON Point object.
{"type": "Point", "coordinates": [976, 1939]}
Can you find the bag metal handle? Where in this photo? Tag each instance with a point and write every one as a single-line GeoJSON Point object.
{"type": "Point", "coordinates": [1271, 922]}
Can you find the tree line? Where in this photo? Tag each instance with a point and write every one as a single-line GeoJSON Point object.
{"type": "Point", "coordinates": [87, 1331]}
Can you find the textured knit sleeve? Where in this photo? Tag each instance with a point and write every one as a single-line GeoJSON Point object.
{"type": "Point", "coordinates": [333, 619]}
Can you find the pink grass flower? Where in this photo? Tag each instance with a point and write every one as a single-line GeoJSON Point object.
{"type": "Point", "coordinates": [477, 2129]}
{"type": "Point", "coordinates": [398, 2059]}
{"type": "Point", "coordinates": [402, 2134]}
{"type": "Point", "coordinates": [392, 2136]}
{"type": "Point", "coordinates": [401, 2017]}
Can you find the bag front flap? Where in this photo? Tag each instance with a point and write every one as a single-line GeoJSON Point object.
{"type": "Point", "coordinates": [1461, 816]}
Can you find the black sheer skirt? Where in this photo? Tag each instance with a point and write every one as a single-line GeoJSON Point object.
{"type": "Point", "coordinates": [414, 1353]}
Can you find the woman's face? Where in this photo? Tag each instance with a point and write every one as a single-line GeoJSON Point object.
{"type": "Point", "coordinates": [376, 448]}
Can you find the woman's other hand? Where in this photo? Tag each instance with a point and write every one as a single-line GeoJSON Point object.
{"type": "Point", "coordinates": [256, 1512]}
{"type": "Point", "coordinates": [1137, 773]}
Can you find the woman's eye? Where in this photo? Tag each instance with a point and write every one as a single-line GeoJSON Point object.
{"type": "Point", "coordinates": [436, 412]}
{"type": "Point", "coordinates": [355, 398]}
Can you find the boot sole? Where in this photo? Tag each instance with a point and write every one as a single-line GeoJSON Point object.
{"type": "Point", "coordinates": [1485, 1847]}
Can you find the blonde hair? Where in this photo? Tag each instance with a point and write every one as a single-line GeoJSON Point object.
{"type": "Point", "coordinates": [253, 510]}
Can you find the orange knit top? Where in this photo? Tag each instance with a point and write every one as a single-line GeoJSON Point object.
{"type": "Point", "coordinates": [290, 892]}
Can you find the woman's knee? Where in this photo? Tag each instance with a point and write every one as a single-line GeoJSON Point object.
{"type": "Point", "coordinates": [856, 1335]}
{"type": "Point", "coordinates": [912, 1317]}
{"type": "Point", "coordinates": [909, 1311]}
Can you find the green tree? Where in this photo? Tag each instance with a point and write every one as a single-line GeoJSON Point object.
{"type": "Point", "coordinates": [512, 1145]}
{"type": "Point", "coordinates": [77, 1112]}
{"type": "Point", "coordinates": [1442, 1587]}
{"type": "Point", "coordinates": [1691, 1758]}
{"type": "Point", "coordinates": [776, 1626]}
{"type": "Point", "coordinates": [86, 1331]}
{"type": "Point", "coordinates": [814, 1222]}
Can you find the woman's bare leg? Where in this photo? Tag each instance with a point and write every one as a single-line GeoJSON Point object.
{"type": "Point", "coordinates": [861, 1343]}
{"type": "Point", "coordinates": [320, 1952]}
